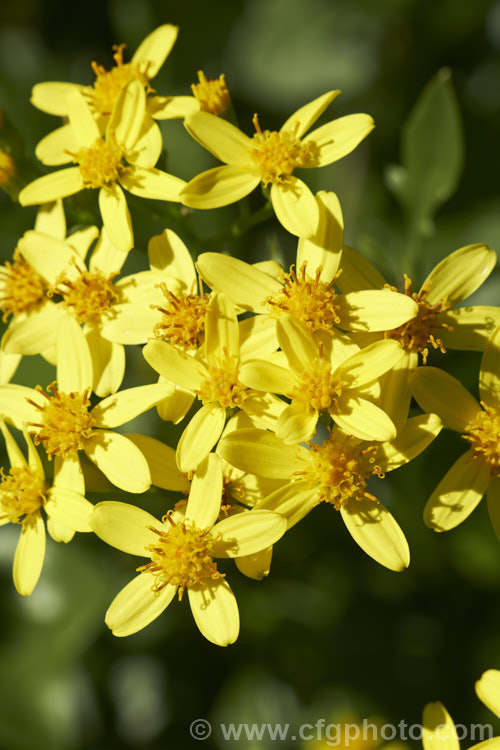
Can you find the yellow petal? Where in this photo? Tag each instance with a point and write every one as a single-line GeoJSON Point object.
{"type": "Point", "coordinates": [52, 186]}
{"type": "Point", "coordinates": [371, 362]}
{"type": "Point", "coordinates": [215, 612]}
{"type": "Point", "coordinates": [132, 323]}
{"type": "Point", "coordinates": [15, 407]}
{"type": "Point", "coordinates": [439, 392]}
{"type": "Point", "coordinates": [377, 532]}
{"type": "Point", "coordinates": [363, 419]}
{"type": "Point", "coordinates": [68, 473]}
{"type": "Point", "coordinates": [172, 107]}
{"type": "Point", "coordinates": [439, 731]}
{"type": "Point", "coordinates": [459, 274]}
{"type": "Point", "coordinates": [8, 366]}
{"type": "Point", "coordinates": [295, 207]}
{"type": "Point", "coordinates": [168, 253]}
{"type": "Point", "coordinates": [128, 115]}
{"type": "Point", "coordinates": [52, 96]}
{"type": "Point", "coordinates": [53, 149]}
{"type": "Point", "coordinates": [82, 239]}
{"type": "Point", "coordinates": [59, 532]}
{"type": "Point", "coordinates": [323, 250]}
{"type": "Point", "coordinates": [493, 500]}
{"type": "Point", "coordinates": [301, 120]}
{"type": "Point", "coordinates": [137, 605]}
{"type": "Point", "coordinates": [225, 141]}
{"type": "Point", "coordinates": [174, 365]}
{"type": "Point", "coordinates": [489, 375]}
{"type": "Point", "coordinates": [375, 310]}
{"type": "Point", "coordinates": [297, 423]}
{"type": "Point", "coordinates": [488, 690]}
{"type": "Point", "coordinates": [82, 121]}
{"type": "Point", "coordinates": [357, 272]}
{"type": "Point", "coordinates": [413, 438]}
{"type": "Point", "coordinates": [125, 405]}
{"type": "Point", "coordinates": [245, 285]}
{"type": "Point", "coordinates": [116, 217]}
{"type": "Point", "coordinates": [14, 453]}
{"type": "Point", "coordinates": [293, 501]}
{"type": "Point", "coordinates": [471, 327]}
{"type": "Point", "coordinates": [35, 333]}
{"type": "Point", "coordinates": [124, 526]}
{"type": "Point", "coordinates": [264, 409]}
{"type": "Point", "coordinates": [29, 555]}
{"type": "Point", "coordinates": [200, 436]}
{"type": "Point", "coordinates": [205, 495]}
{"type": "Point", "coordinates": [175, 407]}
{"type": "Point", "coordinates": [49, 256]}
{"type": "Point", "coordinates": [148, 145]}
{"type": "Point", "coordinates": [259, 452]}
{"type": "Point", "coordinates": [152, 183]}
{"type": "Point", "coordinates": [69, 508]}
{"type": "Point", "coordinates": [255, 566]}
{"type": "Point", "coordinates": [108, 362]}
{"type": "Point", "coordinates": [221, 329]}
{"type": "Point", "coordinates": [155, 48]}
{"type": "Point", "coordinates": [257, 337]}
{"type": "Point", "coordinates": [161, 462]}
{"type": "Point", "coordinates": [339, 137]}
{"type": "Point", "coordinates": [266, 376]}
{"type": "Point", "coordinates": [119, 460]}
{"type": "Point", "coordinates": [296, 342]}
{"type": "Point", "coordinates": [247, 533]}
{"type": "Point", "coordinates": [457, 494]}
{"type": "Point", "coordinates": [51, 220]}
{"type": "Point", "coordinates": [74, 363]}
{"type": "Point", "coordinates": [395, 394]}
{"type": "Point", "coordinates": [219, 186]}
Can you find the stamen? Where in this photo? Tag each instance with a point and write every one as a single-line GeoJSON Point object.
{"type": "Point", "coordinates": [90, 295]}
{"type": "Point", "coordinates": [183, 318]}
{"type": "Point", "coordinates": [21, 493]}
{"type": "Point", "coordinates": [212, 93]}
{"type": "Point", "coordinates": [22, 288]}
{"type": "Point", "coordinates": [483, 433]}
{"type": "Point", "coordinates": [222, 386]}
{"type": "Point", "coordinates": [108, 84]}
{"type": "Point", "coordinates": [277, 154]}
{"type": "Point", "coordinates": [100, 165]}
{"type": "Point", "coordinates": [65, 421]}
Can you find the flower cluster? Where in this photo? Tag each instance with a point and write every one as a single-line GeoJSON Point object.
{"type": "Point", "coordinates": [292, 386]}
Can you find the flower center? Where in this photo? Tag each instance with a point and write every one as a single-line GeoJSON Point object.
{"type": "Point", "coordinates": [317, 387]}
{"type": "Point", "coordinates": [108, 84]}
{"type": "Point", "coordinates": [222, 386]}
{"type": "Point", "coordinates": [90, 295]}
{"type": "Point", "coordinates": [212, 93]}
{"type": "Point", "coordinates": [100, 165]}
{"type": "Point", "coordinates": [341, 467]}
{"type": "Point", "coordinates": [308, 299]}
{"type": "Point", "coordinates": [277, 154]}
{"type": "Point", "coordinates": [22, 287]}
{"type": "Point", "coordinates": [182, 557]}
{"type": "Point", "coordinates": [183, 318]}
{"type": "Point", "coordinates": [65, 422]}
{"type": "Point", "coordinates": [21, 493]}
{"type": "Point", "coordinates": [483, 433]}
{"type": "Point", "coordinates": [417, 334]}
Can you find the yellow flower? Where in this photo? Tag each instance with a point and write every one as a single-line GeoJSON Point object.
{"type": "Point", "coordinates": [488, 690]}
{"type": "Point", "coordinates": [62, 420]}
{"type": "Point", "coordinates": [318, 380]}
{"type": "Point", "coordinates": [477, 470]}
{"type": "Point", "coordinates": [335, 472]}
{"type": "Point", "coordinates": [308, 293]}
{"type": "Point", "coordinates": [212, 94]}
{"type": "Point", "coordinates": [101, 162]}
{"type": "Point", "coordinates": [270, 158]}
{"type": "Point", "coordinates": [439, 732]}
{"type": "Point", "coordinates": [216, 384]}
{"type": "Point", "coordinates": [182, 549]}
{"type": "Point", "coordinates": [24, 493]}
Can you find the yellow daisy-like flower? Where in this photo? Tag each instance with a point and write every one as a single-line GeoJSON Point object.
{"type": "Point", "coordinates": [217, 383]}
{"type": "Point", "coordinates": [24, 493]}
{"type": "Point", "coordinates": [182, 549]}
{"type": "Point", "coordinates": [61, 418]}
{"type": "Point", "coordinates": [123, 158]}
{"type": "Point", "coordinates": [478, 470]}
{"type": "Point", "coordinates": [439, 731]}
{"type": "Point", "coordinates": [270, 158]}
{"type": "Point", "coordinates": [318, 380]}
{"type": "Point", "coordinates": [335, 472]}
{"type": "Point", "coordinates": [308, 292]}
{"type": "Point", "coordinates": [212, 94]}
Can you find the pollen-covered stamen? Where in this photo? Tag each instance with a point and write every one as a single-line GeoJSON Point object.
{"type": "Point", "coordinates": [222, 385]}
{"type": "Point", "coordinates": [183, 318]}
{"type": "Point", "coordinates": [317, 387]}
{"type": "Point", "coordinates": [308, 299]}
{"type": "Point", "coordinates": [483, 433]}
{"type": "Point", "coordinates": [182, 556]}
{"type": "Point", "coordinates": [90, 295]}
{"type": "Point", "coordinates": [21, 288]}
{"type": "Point", "coordinates": [65, 422]}
{"type": "Point", "coordinates": [21, 493]}
{"type": "Point", "coordinates": [101, 164]}
{"type": "Point", "coordinates": [418, 333]}
{"type": "Point", "coordinates": [277, 154]}
{"type": "Point", "coordinates": [212, 93]}
{"type": "Point", "coordinates": [339, 468]}
{"type": "Point", "coordinates": [108, 84]}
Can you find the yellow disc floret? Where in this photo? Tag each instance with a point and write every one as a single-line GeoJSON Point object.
{"type": "Point", "coordinates": [222, 386]}
{"type": "Point", "coordinates": [308, 299]}
{"type": "Point", "coordinates": [108, 84]}
{"type": "Point", "coordinates": [339, 468]}
{"type": "Point", "coordinates": [21, 288]}
{"type": "Point", "coordinates": [100, 165]}
{"type": "Point", "coordinates": [419, 333]}
{"type": "Point", "coordinates": [65, 422]}
{"type": "Point", "coordinates": [212, 93]}
{"type": "Point", "coordinates": [21, 493]}
{"type": "Point", "coordinates": [483, 433]}
{"type": "Point", "coordinates": [317, 387]}
{"type": "Point", "coordinates": [277, 154]}
{"type": "Point", "coordinates": [183, 318]}
{"type": "Point", "coordinates": [182, 556]}
{"type": "Point", "coordinates": [89, 296]}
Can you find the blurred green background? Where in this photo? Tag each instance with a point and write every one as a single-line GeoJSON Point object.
{"type": "Point", "coordinates": [330, 634]}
